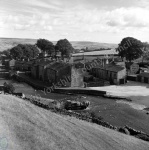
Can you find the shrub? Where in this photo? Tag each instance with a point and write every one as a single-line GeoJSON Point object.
{"type": "Point", "coordinates": [8, 88]}
{"type": "Point", "coordinates": [124, 130]}
{"type": "Point", "coordinates": [95, 118]}
{"type": "Point", "coordinates": [93, 115]}
{"type": "Point", "coordinates": [143, 137]}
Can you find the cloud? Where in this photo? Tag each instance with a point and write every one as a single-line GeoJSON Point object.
{"type": "Point", "coordinates": [83, 17]}
{"type": "Point", "coordinates": [119, 19]}
{"type": "Point", "coordinates": [21, 22]}
{"type": "Point", "coordinates": [48, 28]}
{"type": "Point", "coordinates": [142, 3]}
{"type": "Point", "coordinates": [41, 3]}
{"type": "Point", "coordinates": [20, 27]}
{"type": "Point", "coordinates": [2, 24]}
{"type": "Point", "coordinates": [130, 17]}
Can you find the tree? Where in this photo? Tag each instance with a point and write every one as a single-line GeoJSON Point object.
{"type": "Point", "coordinates": [16, 52]}
{"type": "Point", "coordinates": [130, 48]}
{"type": "Point", "coordinates": [65, 47]}
{"type": "Point", "coordinates": [6, 52]}
{"type": "Point", "coordinates": [145, 55]}
{"type": "Point", "coordinates": [46, 46]}
{"type": "Point", "coordinates": [30, 51]}
{"type": "Point", "coordinates": [24, 51]}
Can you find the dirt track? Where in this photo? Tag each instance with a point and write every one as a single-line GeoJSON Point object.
{"type": "Point", "coordinates": [25, 126]}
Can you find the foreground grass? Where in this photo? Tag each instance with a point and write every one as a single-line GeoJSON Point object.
{"type": "Point", "coordinates": [26, 126]}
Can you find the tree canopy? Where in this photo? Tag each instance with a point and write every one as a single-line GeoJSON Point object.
{"type": "Point", "coordinates": [46, 46]}
{"type": "Point", "coordinates": [130, 48]}
{"type": "Point", "coordinates": [6, 52]}
{"type": "Point", "coordinates": [65, 47]}
{"type": "Point", "coordinates": [16, 52]}
{"type": "Point", "coordinates": [145, 55]}
{"type": "Point", "coordinates": [24, 51]}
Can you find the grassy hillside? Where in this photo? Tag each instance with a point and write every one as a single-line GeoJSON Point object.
{"type": "Point", "coordinates": [6, 43]}
{"type": "Point", "coordinates": [24, 126]}
{"type": "Point", "coordinates": [91, 45]}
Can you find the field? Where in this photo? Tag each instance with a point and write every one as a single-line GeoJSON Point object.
{"type": "Point", "coordinates": [26, 126]}
{"type": "Point", "coordinates": [6, 43]}
{"type": "Point", "coordinates": [117, 113]}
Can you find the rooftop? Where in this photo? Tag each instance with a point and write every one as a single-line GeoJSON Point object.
{"type": "Point", "coordinates": [144, 74]}
{"type": "Point", "coordinates": [114, 68]}
{"type": "Point", "coordinates": [128, 64]}
{"type": "Point", "coordinates": [44, 63]}
{"type": "Point", "coordinates": [111, 67]}
{"type": "Point", "coordinates": [58, 66]}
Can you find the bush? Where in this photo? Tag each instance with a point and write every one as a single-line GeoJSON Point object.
{"type": "Point", "coordinates": [8, 88]}
{"type": "Point", "coordinates": [143, 137]}
{"type": "Point", "coordinates": [124, 130]}
{"type": "Point", "coordinates": [94, 115]}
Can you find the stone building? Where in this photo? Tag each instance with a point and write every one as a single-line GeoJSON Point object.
{"type": "Point", "coordinates": [114, 73]}
{"type": "Point", "coordinates": [78, 72]}
{"type": "Point", "coordinates": [143, 77]}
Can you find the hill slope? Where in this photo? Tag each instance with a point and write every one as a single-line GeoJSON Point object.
{"type": "Point", "coordinates": [6, 43]}
{"type": "Point", "coordinates": [25, 126]}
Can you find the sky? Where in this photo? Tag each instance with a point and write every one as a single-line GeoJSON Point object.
{"type": "Point", "coordinates": [106, 21]}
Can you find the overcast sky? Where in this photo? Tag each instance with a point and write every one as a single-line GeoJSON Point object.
{"type": "Point", "coordinates": [77, 20]}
